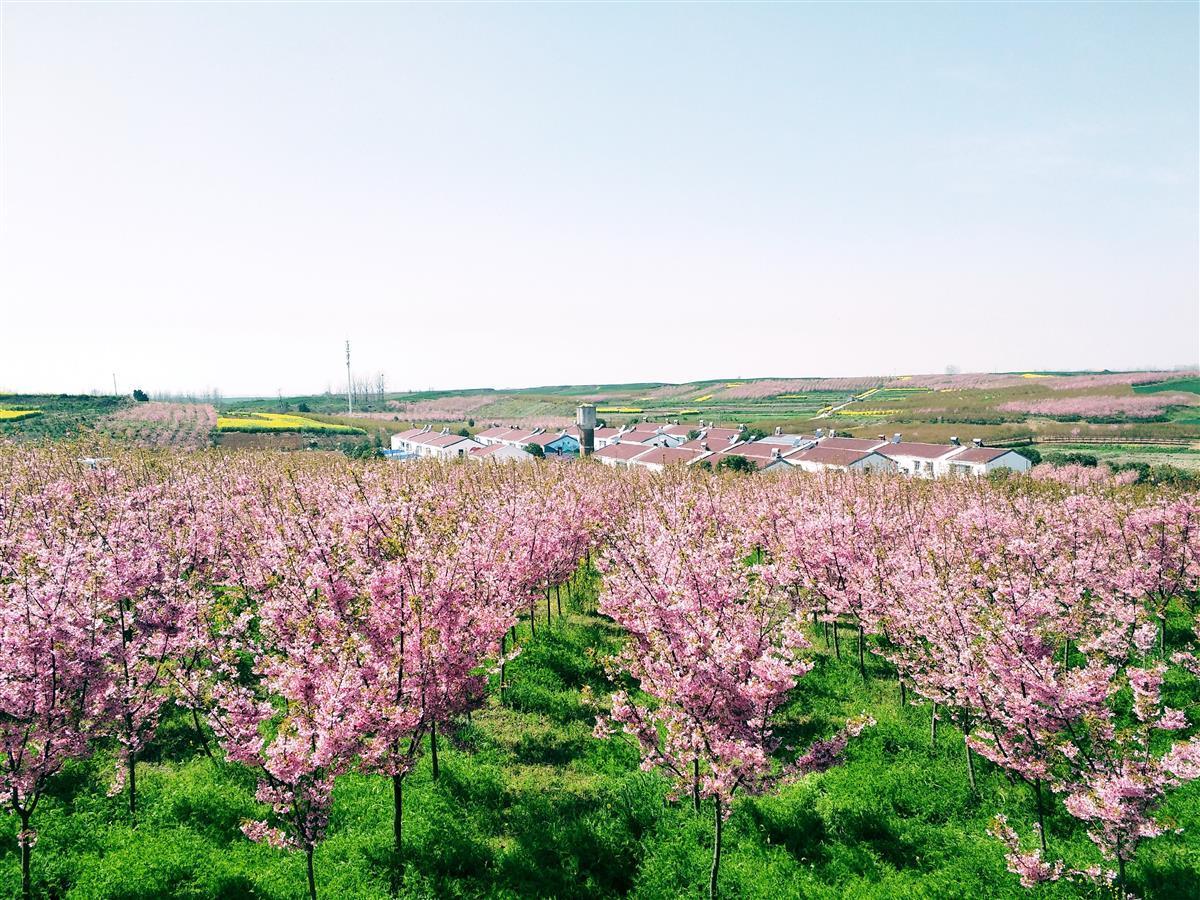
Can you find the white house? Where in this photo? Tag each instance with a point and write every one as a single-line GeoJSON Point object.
{"type": "Point", "coordinates": [605, 436]}
{"type": "Point", "coordinates": [979, 460]}
{"type": "Point", "coordinates": [500, 453]}
{"type": "Point", "coordinates": [658, 458]}
{"type": "Point", "coordinates": [493, 435]}
{"type": "Point", "coordinates": [915, 458]}
{"type": "Point", "coordinates": [771, 461]}
{"type": "Point", "coordinates": [425, 442]}
{"type": "Point", "coordinates": [619, 455]}
{"type": "Point", "coordinates": [558, 443]}
{"type": "Point", "coordinates": [817, 459]}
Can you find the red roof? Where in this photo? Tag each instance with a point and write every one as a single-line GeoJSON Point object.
{"type": "Point", "coordinates": [979, 454]}
{"type": "Point", "coordinates": [727, 434]}
{"type": "Point", "coordinates": [545, 438]}
{"type": "Point", "coordinates": [494, 432]}
{"type": "Point", "coordinates": [606, 432]}
{"type": "Point", "coordinates": [623, 452]}
{"type": "Point", "coordinates": [845, 443]}
{"type": "Point", "coordinates": [519, 435]}
{"type": "Point", "coordinates": [916, 450]}
{"type": "Point", "coordinates": [665, 456]}
{"type": "Point", "coordinates": [831, 456]}
{"type": "Point", "coordinates": [441, 440]}
{"type": "Point", "coordinates": [488, 450]}
{"type": "Point", "coordinates": [678, 430]}
{"type": "Point", "coordinates": [410, 434]}
{"type": "Point", "coordinates": [640, 437]}
{"type": "Point", "coordinates": [759, 448]}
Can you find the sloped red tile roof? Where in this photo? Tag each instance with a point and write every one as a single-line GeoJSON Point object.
{"type": "Point", "coordinates": [915, 450]}
{"type": "Point", "coordinates": [665, 456]}
{"type": "Point", "coordinates": [831, 456]}
{"type": "Point", "coordinates": [979, 454]}
{"type": "Point", "coordinates": [845, 443]}
{"type": "Point", "coordinates": [624, 452]}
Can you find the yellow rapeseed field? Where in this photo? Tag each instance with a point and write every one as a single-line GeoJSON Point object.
{"type": "Point", "coordinates": [279, 422]}
{"type": "Point", "coordinates": [619, 409]}
{"type": "Point", "coordinates": [13, 415]}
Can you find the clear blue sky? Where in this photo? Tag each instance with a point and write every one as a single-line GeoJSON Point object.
{"type": "Point", "coordinates": [217, 195]}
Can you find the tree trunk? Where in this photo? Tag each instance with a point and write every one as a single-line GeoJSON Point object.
{"type": "Point", "coordinates": [716, 863]}
{"type": "Point", "coordinates": [1121, 874]}
{"type": "Point", "coordinates": [837, 644]}
{"type": "Point", "coordinates": [201, 736]}
{"type": "Point", "coordinates": [26, 855]}
{"type": "Point", "coordinates": [558, 599]}
{"type": "Point", "coordinates": [131, 766]}
{"type": "Point", "coordinates": [1041, 819]}
{"type": "Point", "coordinates": [547, 605]}
{"type": "Point", "coordinates": [862, 665]}
{"type": "Point", "coordinates": [397, 816]}
{"type": "Point", "coordinates": [312, 881]}
{"type": "Point", "coordinates": [933, 727]}
{"type": "Point", "coordinates": [696, 784]}
{"type": "Point", "coordinates": [437, 773]}
{"type": "Point", "coordinates": [903, 693]}
{"type": "Point", "coordinates": [970, 765]}
{"type": "Point", "coordinates": [502, 652]}
{"type": "Point", "coordinates": [532, 623]}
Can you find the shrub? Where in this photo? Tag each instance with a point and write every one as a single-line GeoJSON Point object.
{"type": "Point", "coordinates": [736, 463]}
{"type": "Point", "coordinates": [1031, 453]}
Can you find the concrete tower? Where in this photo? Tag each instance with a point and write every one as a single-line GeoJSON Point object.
{"type": "Point", "coordinates": [585, 418]}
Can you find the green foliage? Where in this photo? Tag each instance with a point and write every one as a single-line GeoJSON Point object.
{"type": "Point", "coordinates": [365, 449]}
{"type": "Point", "coordinates": [535, 450]}
{"type": "Point", "coordinates": [1030, 452]}
{"type": "Point", "coordinates": [140, 396]}
{"type": "Point", "coordinates": [1073, 458]}
{"type": "Point", "coordinates": [736, 463]}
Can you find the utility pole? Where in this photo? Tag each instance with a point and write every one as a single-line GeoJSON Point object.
{"type": "Point", "coordinates": [349, 384]}
{"type": "Point", "coordinates": [115, 394]}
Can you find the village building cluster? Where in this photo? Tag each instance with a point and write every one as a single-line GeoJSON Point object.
{"type": "Point", "coordinates": [655, 446]}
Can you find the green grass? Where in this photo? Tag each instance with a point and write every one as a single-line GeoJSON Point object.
{"type": "Point", "coordinates": [529, 804]}
{"type": "Point", "coordinates": [62, 416]}
{"type": "Point", "coordinates": [1191, 385]}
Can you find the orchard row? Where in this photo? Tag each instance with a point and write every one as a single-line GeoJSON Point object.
{"type": "Point", "coordinates": [318, 616]}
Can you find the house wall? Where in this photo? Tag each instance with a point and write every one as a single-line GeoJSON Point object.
{"type": "Point", "coordinates": [565, 444]}
{"type": "Point", "coordinates": [874, 463]}
{"type": "Point", "coordinates": [1014, 461]}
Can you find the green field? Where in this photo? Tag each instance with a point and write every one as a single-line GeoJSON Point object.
{"type": "Point", "coordinates": [1192, 385]}
{"type": "Point", "coordinates": [63, 416]}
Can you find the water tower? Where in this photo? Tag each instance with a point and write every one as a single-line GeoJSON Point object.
{"type": "Point", "coordinates": [585, 418]}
